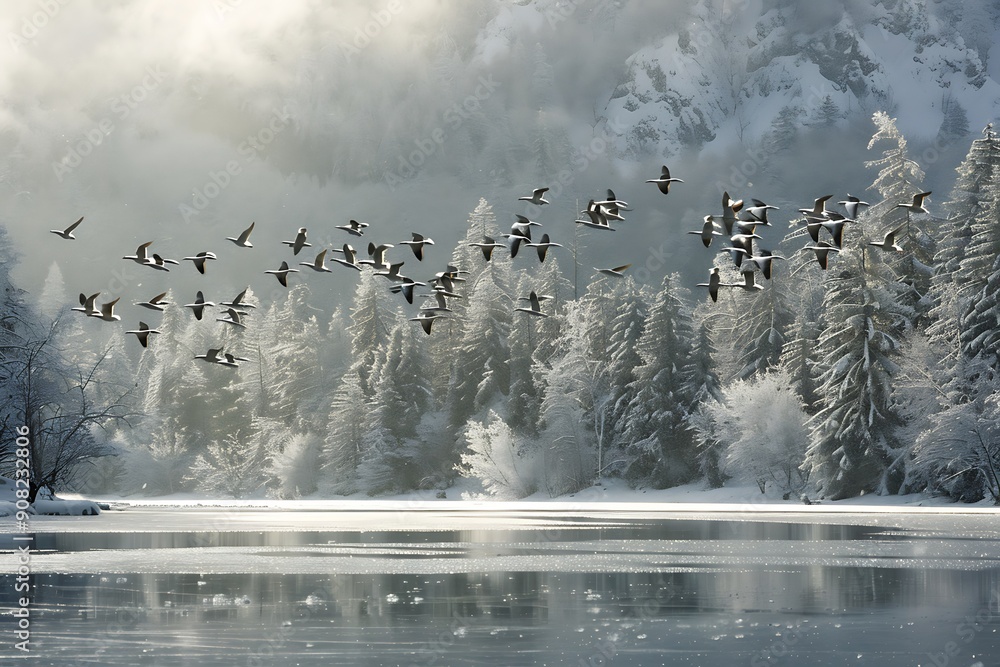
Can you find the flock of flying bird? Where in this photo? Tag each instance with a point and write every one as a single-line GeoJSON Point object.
{"type": "Point", "coordinates": [742, 232]}
{"type": "Point", "coordinates": [738, 221]}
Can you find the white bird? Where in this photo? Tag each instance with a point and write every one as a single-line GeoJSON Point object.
{"type": "Point", "coordinates": [392, 273]}
{"type": "Point", "coordinates": [748, 282]}
{"type": "Point", "coordinates": [107, 312]}
{"type": "Point", "coordinates": [87, 306]}
{"type": "Point", "coordinates": [417, 245]}
{"type": "Point", "coordinates": [376, 255]}
{"type": "Point", "coordinates": [426, 319]}
{"type": "Point", "coordinates": [68, 232]}
{"type": "Point", "coordinates": [442, 304]}
{"type": "Point", "coordinates": [200, 259]}
{"type": "Point", "coordinates": [714, 283]}
{"type": "Point", "coordinates": [664, 181]}
{"type": "Point", "coordinates": [598, 220]}
{"type": "Point", "coordinates": [142, 333]}
{"type": "Point", "coordinates": [156, 303]}
{"type": "Point", "coordinates": [823, 250]}
{"type": "Point", "coordinates": [889, 241]}
{"type": "Point", "coordinates": [140, 254]}
{"type": "Point", "coordinates": [241, 240]}
{"type": "Point", "coordinates": [617, 272]}
{"type": "Point", "coordinates": [158, 263]}
{"type": "Point", "coordinates": [488, 245]}
{"type": "Point", "coordinates": [350, 258]}
{"type": "Point", "coordinates": [198, 307]}
{"type": "Point", "coordinates": [212, 356]}
{"type": "Point", "coordinates": [282, 273]}
{"type": "Point", "coordinates": [819, 208]}
{"type": "Point", "coordinates": [354, 227]}
{"type": "Point", "coordinates": [299, 243]}
{"type": "Point", "coordinates": [764, 262]}
{"type": "Point", "coordinates": [232, 317]}
{"type": "Point", "coordinates": [534, 309]}
{"type": "Point", "coordinates": [523, 222]}
{"type": "Point", "coordinates": [729, 210]}
{"type": "Point", "coordinates": [543, 246]}
{"type": "Point", "coordinates": [536, 197]}
{"type": "Point", "coordinates": [238, 301]}
{"type": "Point", "coordinates": [406, 288]}
{"type": "Point", "coordinates": [917, 206]}
{"type": "Point", "coordinates": [853, 206]}
{"type": "Point", "coordinates": [606, 208]}
{"type": "Point", "coordinates": [319, 264]}
{"type": "Point", "coordinates": [736, 254]}
{"type": "Point", "coordinates": [708, 230]}
{"type": "Point", "coordinates": [758, 212]}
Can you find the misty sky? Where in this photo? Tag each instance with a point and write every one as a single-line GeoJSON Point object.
{"type": "Point", "coordinates": [180, 123]}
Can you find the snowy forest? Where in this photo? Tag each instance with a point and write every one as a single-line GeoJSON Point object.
{"type": "Point", "coordinates": [875, 375]}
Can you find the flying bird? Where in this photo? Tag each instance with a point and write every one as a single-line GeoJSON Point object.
{"type": "Point", "coordinates": [319, 264]}
{"type": "Point", "coordinates": [140, 254]}
{"type": "Point", "coordinates": [488, 245]}
{"type": "Point", "coordinates": [598, 220]}
{"type": "Point", "coordinates": [664, 181]}
{"type": "Point", "coordinates": [282, 273]}
{"type": "Point", "coordinates": [822, 250]}
{"type": "Point", "coordinates": [917, 206]}
{"type": "Point", "coordinates": [417, 245]}
{"type": "Point", "coordinates": [198, 307]}
{"type": "Point", "coordinates": [617, 272]}
{"type": "Point", "coordinates": [714, 283]}
{"type": "Point", "coordinates": [426, 319]}
{"type": "Point", "coordinates": [159, 263]}
{"type": "Point", "coordinates": [543, 246]}
{"type": "Point", "coordinates": [142, 333]}
{"type": "Point", "coordinates": [87, 306]}
{"type": "Point", "coordinates": [68, 232]}
{"type": "Point", "coordinates": [889, 241]}
{"type": "Point", "coordinates": [200, 259]}
{"type": "Point", "coordinates": [232, 317]}
{"type": "Point", "coordinates": [536, 197]}
{"type": "Point", "coordinates": [241, 240]}
{"type": "Point", "coordinates": [354, 227]}
{"type": "Point", "coordinates": [299, 243]}
{"type": "Point", "coordinates": [376, 255]}
{"type": "Point", "coordinates": [107, 312]}
{"type": "Point", "coordinates": [238, 301]}
{"type": "Point", "coordinates": [853, 206]}
{"type": "Point", "coordinates": [819, 208]}
{"type": "Point", "coordinates": [748, 282]}
{"type": "Point", "coordinates": [730, 208]}
{"type": "Point", "coordinates": [758, 212]}
{"type": "Point", "coordinates": [156, 303]}
{"type": "Point", "coordinates": [763, 261]}
{"type": "Point", "coordinates": [534, 309]}
{"type": "Point", "coordinates": [708, 230]}
{"type": "Point", "coordinates": [350, 258]}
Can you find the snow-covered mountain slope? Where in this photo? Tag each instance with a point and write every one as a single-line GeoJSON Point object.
{"type": "Point", "coordinates": [726, 70]}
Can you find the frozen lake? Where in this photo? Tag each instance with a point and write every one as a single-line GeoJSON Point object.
{"type": "Point", "coordinates": [519, 585]}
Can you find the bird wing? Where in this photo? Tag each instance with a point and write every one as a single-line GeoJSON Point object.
{"type": "Point", "coordinates": [246, 233]}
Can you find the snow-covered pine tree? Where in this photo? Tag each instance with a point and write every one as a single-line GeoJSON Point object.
{"type": "Point", "coordinates": [660, 445]}
{"type": "Point", "coordinates": [898, 179]}
{"type": "Point", "coordinates": [350, 415]}
{"type": "Point", "coordinates": [623, 358]}
{"type": "Point", "coordinates": [481, 368]}
{"type": "Point", "coordinates": [523, 399]}
{"type": "Point", "coordinates": [855, 445]}
{"type": "Point", "coordinates": [372, 318]}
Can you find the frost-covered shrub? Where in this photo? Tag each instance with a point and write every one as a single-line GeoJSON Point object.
{"type": "Point", "coordinates": [762, 423]}
{"type": "Point", "coordinates": [502, 460]}
{"type": "Point", "coordinates": [296, 468]}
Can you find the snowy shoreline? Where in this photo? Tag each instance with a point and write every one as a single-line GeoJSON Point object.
{"type": "Point", "coordinates": [613, 495]}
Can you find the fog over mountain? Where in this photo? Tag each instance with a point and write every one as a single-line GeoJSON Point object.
{"type": "Point", "coordinates": [182, 122]}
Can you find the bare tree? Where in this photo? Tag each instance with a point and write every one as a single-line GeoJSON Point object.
{"type": "Point", "coordinates": [56, 401]}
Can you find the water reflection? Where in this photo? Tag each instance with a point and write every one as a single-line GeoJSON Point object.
{"type": "Point", "coordinates": [740, 610]}
{"type": "Point", "coordinates": [506, 618]}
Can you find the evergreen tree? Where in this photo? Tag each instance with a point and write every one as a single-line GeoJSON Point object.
{"type": "Point", "coordinates": [855, 445]}
{"type": "Point", "coordinates": [372, 318]}
{"type": "Point", "coordinates": [623, 358]}
{"type": "Point", "coordinates": [899, 178]}
{"type": "Point", "coordinates": [660, 443]}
